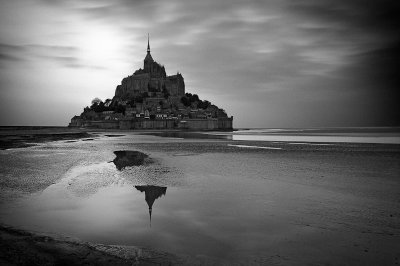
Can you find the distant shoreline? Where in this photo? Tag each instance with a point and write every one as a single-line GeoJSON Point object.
{"type": "Point", "coordinates": [10, 139]}
{"type": "Point", "coordinates": [285, 129]}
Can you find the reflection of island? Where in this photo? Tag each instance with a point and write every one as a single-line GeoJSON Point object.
{"type": "Point", "coordinates": [129, 158]}
{"type": "Point", "coordinates": [151, 194]}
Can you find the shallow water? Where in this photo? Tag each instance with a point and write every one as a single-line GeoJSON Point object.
{"type": "Point", "coordinates": [232, 201]}
{"type": "Point", "coordinates": [323, 135]}
{"type": "Point", "coordinates": [360, 138]}
{"type": "Point", "coordinates": [97, 203]}
{"type": "Point", "coordinates": [190, 221]}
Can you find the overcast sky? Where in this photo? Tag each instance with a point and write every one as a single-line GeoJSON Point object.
{"type": "Point", "coordinates": [269, 63]}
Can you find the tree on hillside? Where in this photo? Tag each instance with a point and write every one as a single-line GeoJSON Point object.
{"type": "Point", "coordinates": [107, 102]}
{"type": "Point", "coordinates": [97, 105]}
{"type": "Point", "coordinates": [195, 98]}
{"type": "Point", "coordinates": [96, 101]}
{"type": "Point", "coordinates": [185, 101]}
{"type": "Point", "coordinates": [203, 104]}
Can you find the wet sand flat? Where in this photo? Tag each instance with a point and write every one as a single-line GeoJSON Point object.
{"type": "Point", "coordinates": [20, 137]}
{"type": "Point", "coordinates": [212, 201]}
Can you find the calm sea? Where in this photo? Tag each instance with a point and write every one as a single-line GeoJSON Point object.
{"type": "Point", "coordinates": [390, 135]}
{"type": "Point", "coordinates": [383, 135]}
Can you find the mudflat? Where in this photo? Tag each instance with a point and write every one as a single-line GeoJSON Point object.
{"type": "Point", "coordinates": [210, 201]}
{"type": "Point", "coordinates": [21, 247]}
{"type": "Point", "coordinates": [19, 137]}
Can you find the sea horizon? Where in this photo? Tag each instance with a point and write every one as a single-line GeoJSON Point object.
{"type": "Point", "coordinates": [377, 135]}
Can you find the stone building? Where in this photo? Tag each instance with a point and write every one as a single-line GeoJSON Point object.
{"type": "Point", "coordinates": [151, 79]}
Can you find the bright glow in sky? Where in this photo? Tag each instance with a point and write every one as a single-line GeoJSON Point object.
{"type": "Point", "coordinates": [269, 63]}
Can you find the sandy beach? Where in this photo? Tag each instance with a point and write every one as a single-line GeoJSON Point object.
{"type": "Point", "coordinates": [205, 201]}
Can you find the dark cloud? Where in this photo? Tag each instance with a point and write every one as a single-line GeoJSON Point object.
{"type": "Point", "coordinates": [6, 57]}
{"type": "Point", "coordinates": [66, 61]}
{"type": "Point", "coordinates": [315, 48]}
{"type": "Point", "coordinates": [10, 53]}
{"type": "Point", "coordinates": [370, 30]}
{"type": "Point", "coordinates": [52, 48]}
{"type": "Point", "coordinates": [62, 55]}
{"type": "Point", "coordinates": [382, 64]}
{"type": "Point", "coordinates": [118, 11]}
{"type": "Point", "coordinates": [303, 62]}
{"type": "Point", "coordinates": [13, 49]}
{"type": "Point", "coordinates": [367, 25]}
{"type": "Point", "coordinates": [370, 13]}
{"type": "Point", "coordinates": [376, 73]}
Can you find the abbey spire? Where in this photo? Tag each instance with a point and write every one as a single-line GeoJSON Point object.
{"type": "Point", "coordinates": [148, 43]}
{"type": "Point", "coordinates": [148, 59]}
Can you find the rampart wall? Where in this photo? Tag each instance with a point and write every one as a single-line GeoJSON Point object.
{"type": "Point", "coordinates": [188, 124]}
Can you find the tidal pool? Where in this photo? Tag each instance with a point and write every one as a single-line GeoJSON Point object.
{"type": "Point", "coordinates": [97, 204]}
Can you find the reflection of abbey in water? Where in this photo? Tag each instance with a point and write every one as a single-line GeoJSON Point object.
{"type": "Point", "coordinates": [151, 194]}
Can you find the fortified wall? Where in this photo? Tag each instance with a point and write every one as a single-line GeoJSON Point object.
{"type": "Point", "coordinates": [189, 124]}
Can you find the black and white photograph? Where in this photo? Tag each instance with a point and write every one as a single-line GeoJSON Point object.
{"type": "Point", "coordinates": [199, 132]}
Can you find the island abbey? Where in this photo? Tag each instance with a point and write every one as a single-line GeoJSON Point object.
{"type": "Point", "coordinates": [149, 99]}
{"type": "Point", "coordinates": [151, 79]}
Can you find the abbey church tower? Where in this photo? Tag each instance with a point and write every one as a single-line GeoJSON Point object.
{"type": "Point", "coordinates": [152, 67]}
{"type": "Point", "coordinates": [151, 79]}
